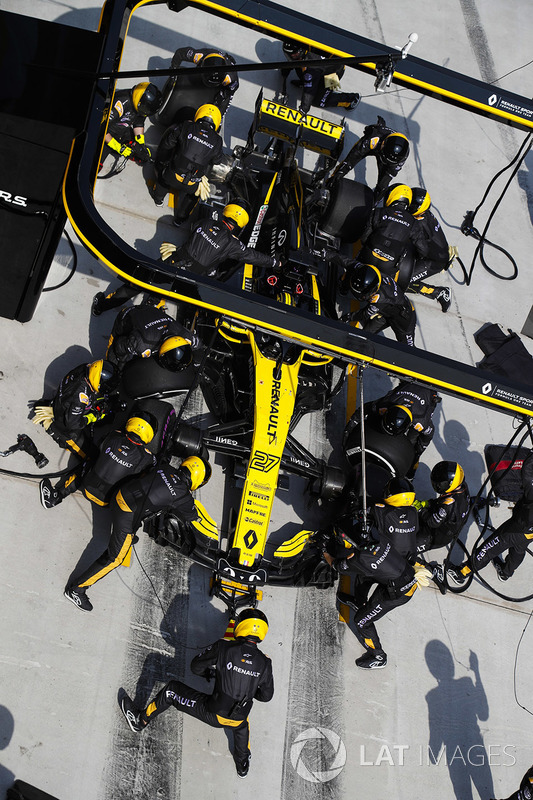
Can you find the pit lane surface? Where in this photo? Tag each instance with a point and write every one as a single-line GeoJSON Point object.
{"type": "Point", "coordinates": [62, 729]}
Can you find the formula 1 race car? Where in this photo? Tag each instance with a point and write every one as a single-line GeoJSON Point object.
{"type": "Point", "coordinates": [258, 387]}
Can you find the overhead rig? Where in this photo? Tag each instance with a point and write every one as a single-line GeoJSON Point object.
{"type": "Point", "coordinates": [259, 313]}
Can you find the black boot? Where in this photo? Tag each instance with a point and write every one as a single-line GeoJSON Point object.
{"type": "Point", "coordinates": [132, 714]}
{"type": "Point", "coordinates": [372, 659]}
{"type": "Point", "coordinates": [78, 597]}
{"type": "Point", "coordinates": [96, 308]}
{"type": "Point", "coordinates": [49, 496]}
{"type": "Point", "coordinates": [243, 766]}
{"type": "Point", "coordinates": [439, 293]}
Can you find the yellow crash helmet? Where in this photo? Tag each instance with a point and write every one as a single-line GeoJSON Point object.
{"type": "Point", "coordinates": [394, 149]}
{"type": "Point", "coordinates": [209, 113]}
{"type": "Point", "coordinates": [236, 213]}
{"type": "Point", "coordinates": [396, 419]}
{"type": "Point", "coordinates": [175, 354]}
{"type": "Point", "coordinates": [251, 624]}
{"type": "Point", "coordinates": [365, 280]}
{"type": "Point", "coordinates": [101, 374]}
{"type": "Point", "coordinates": [420, 203]}
{"type": "Point", "coordinates": [196, 470]}
{"type": "Point", "coordinates": [446, 476]}
{"type": "Point", "coordinates": [143, 426]}
{"type": "Point", "coordinates": [399, 193]}
{"type": "Point", "coordinates": [146, 98]}
{"type": "Point", "coordinates": [399, 492]}
{"type": "Point", "coordinates": [218, 77]}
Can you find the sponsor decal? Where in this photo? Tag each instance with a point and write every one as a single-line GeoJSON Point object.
{"type": "Point", "coordinates": [223, 440]}
{"type": "Point", "coordinates": [111, 455]}
{"type": "Point", "coordinates": [14, 199]}
{"type": "Point", "coordinates": [375, 564]}
{"type": "Point", "coordinates": [255, 504]}
{"type": "Point", "coordinates": [292, 115]}
{"type": "Point", "coordinates": [299, 461]}
{"type": "Point", "coordinates": [183, 701]}
{"type": "Point", "coordinates": [273, 419]}
{"type": "Point", "coordinates": [250, 539]}
{"type": "Point", "coordinates": [495, 101]}
{"type": "Point", "coordinates": [374, 613]}
{"type": "Point", "coordinates": [264, 486]}
{"type": "Point", "coordinates": [166, 482]}
{"type": "Point", "coordinates": [259, 496]}
{"type": "Point", "coordinates": [252, 241]}
{"type": "Point", "coordinates": [251, 521]}
{"type": "Point", "coordinates": [506, 396]}
{"type": "Point", "coordinates": [248, 672]}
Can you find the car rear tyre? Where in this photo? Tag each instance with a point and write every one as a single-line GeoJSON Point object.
{"type": "Point", "coordinates": [348, 210]}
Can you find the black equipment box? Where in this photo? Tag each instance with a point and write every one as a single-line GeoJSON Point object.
{"type": "Point", "coordinates": [23, 791]}
{"type": "Point", "coordinates": [45, 89]}
{"type": "Point", "coordinates": [504, 465]}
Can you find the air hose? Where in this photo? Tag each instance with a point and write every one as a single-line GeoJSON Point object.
{"type": "Point", "coordinates": [468, 229]}
{"type": "Point", "coordinates": [469, 561]}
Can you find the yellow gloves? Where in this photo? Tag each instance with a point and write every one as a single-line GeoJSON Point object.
{"type": "Point", "coordinates": [332, 81]}
{"type": "Point", "coordinates": [203, 191]}
{"type": "Point", "coordinates": [166, 250]}
{"type": "Point", "coordinates": [422, 575]}
{"type": "Point", "coordinates": [44, 416]}
{"type": "Point", "coordinates": [121, 149]}
{"type": "Point", "coordinates": [453, 252]}
{"type": "Point", "coordinates": [420, 504]}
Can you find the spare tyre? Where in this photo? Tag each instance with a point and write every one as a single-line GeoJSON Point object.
{"type": "Point", "coordinates": [393, 454]}
{"type": "Point", "coordinates": [348, 210]}
{"type": "Point", "coordinates": [182, 97]}
{"type": "Point", "coordinates": [165, 416]}
{"type": "Point", "coordinates": [143, 377]}
{"type": "Point", "coordinates": [406, 267]}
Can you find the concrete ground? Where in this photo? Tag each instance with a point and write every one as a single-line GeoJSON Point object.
{"type": "Point", "coordinates": [457, 674]}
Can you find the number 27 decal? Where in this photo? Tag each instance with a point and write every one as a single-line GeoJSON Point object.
{"type": "Point", "coordinates": [263, 462]}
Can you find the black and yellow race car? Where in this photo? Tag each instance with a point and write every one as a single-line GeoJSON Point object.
{"type": "Point", "coordinates": [258, 385]}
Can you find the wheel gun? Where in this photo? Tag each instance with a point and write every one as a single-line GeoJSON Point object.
{"type": "Point", "coordinates": [28, 445]}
